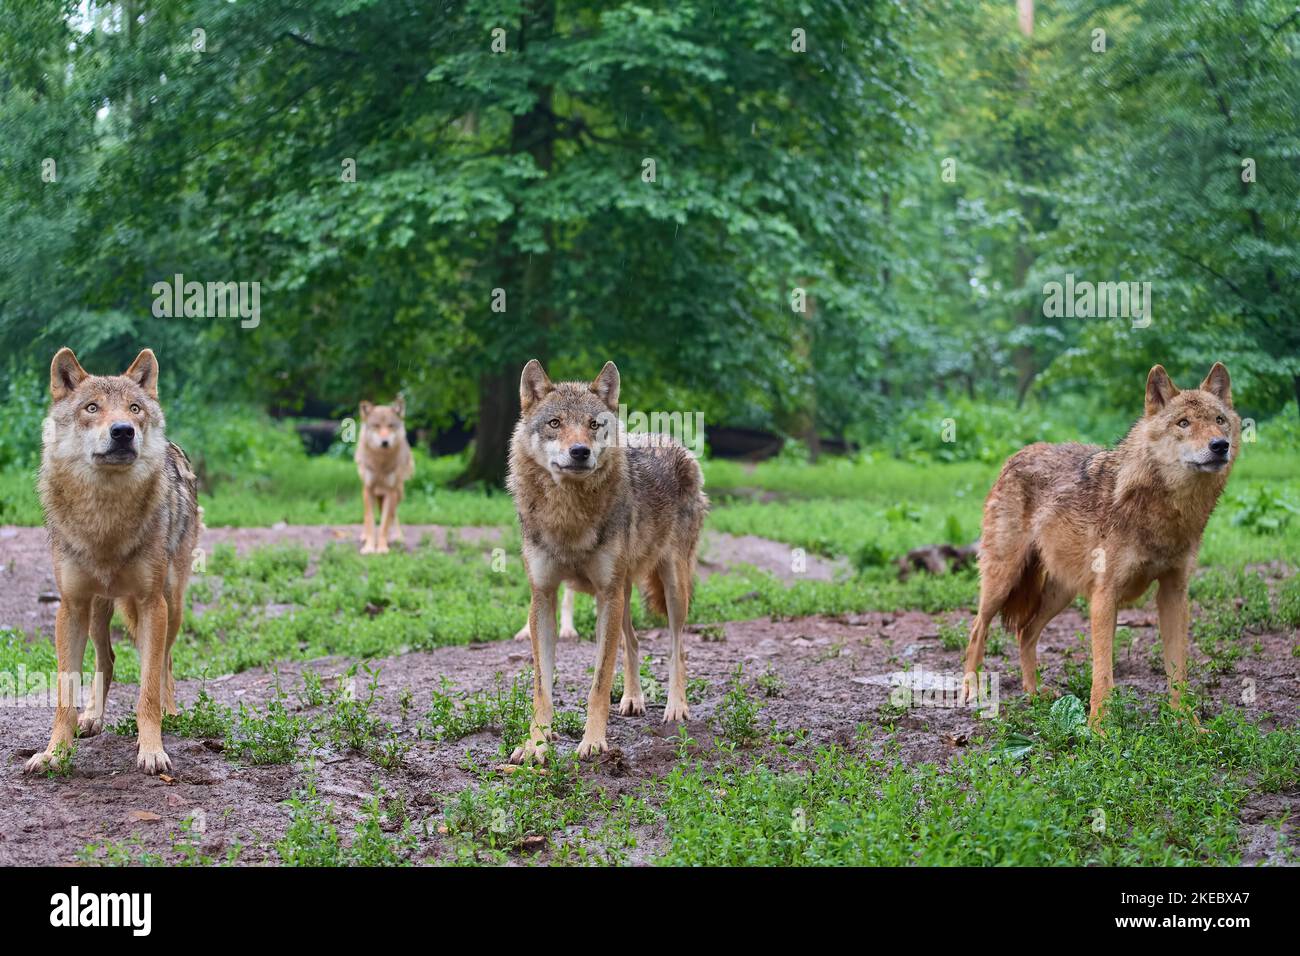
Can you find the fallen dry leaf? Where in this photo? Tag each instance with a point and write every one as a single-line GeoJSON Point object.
{"type": "Point", "coordinates": [143, 816]}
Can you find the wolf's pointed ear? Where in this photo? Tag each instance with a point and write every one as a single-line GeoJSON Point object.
{"type": "Point", "coordinates": [1161, 389]}
{"type": "Point", "coordinates": [399, 406]}
{"type": "Point", "coordinates": [66, 374]}
{"type": "Point", "coordinates": [1217, 383]}
{"type": "Point", "coordinates": [144, 372]}
{"type": "Point", "coordinates": [606, 386]}
{"type": "Point", "coordinates": [366, 409]}
{"type": "Point", "coordinates": [534, 384]}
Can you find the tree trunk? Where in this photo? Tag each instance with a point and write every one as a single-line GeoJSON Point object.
{"type": "Point", "coordinates": [498, 407]}
{"type": "Point", "coordinates": [519, 333]}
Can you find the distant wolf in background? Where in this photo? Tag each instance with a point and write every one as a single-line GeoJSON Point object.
{"type": "Point", "coordinates": [121, 509]}
{"type": "Point", "coordinates": [1064, 520]}
{"type": "Point", "coordinates": [385, 464]}
{"type": "Point", "coordinates": [600, 513]}
{"type": "Point", "coordinates": [567, 631]}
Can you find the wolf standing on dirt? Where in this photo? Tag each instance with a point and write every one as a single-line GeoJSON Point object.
{"type": "Point", "coordinates": [385, 465]}
{"type": "Point", "coordinates": [601, 513]}
{"type": "Point", "coordinates": [1064, 520]}
{"type": "Point", "coordinates": [121, 508]}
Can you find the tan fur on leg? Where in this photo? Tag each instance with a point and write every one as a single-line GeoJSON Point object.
{"type": "Point", "coordinates": [152, 640]}
{"type": "Point", "coordinates": [609, 628]}
{"type": "Point", "coordinates": [1103, 635]}
{"type": "Point", "coordinates": [71, 631]}
{"type": "Point", "coordinates": [541, 630]}
{"type": "Point", "coordinates": [633, 700]}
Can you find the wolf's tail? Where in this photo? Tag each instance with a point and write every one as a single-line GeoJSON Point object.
{"type": "Point", "coordinates": [126, 607]}
{"type": "Point", "coordinates": [1026, 595]}
{"type": "Point", "coordinates": [652, 592]}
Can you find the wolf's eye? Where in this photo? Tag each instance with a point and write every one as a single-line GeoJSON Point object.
{"type": "Point", "coordinates": [135, 409]}
{"type": "Point", "coordinates": [594, 424]}
{"type": "Point", "coordinates": [1183, 423]}
{"type": "Point", "coordinates": [1220, 420]}
{"type": "Point", "coordinates": [92, 408]}
{"type": "Point", "coordinates": [554, 423]}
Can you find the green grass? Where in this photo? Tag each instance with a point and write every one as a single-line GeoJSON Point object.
{"type": "Point", "coordinates": [1154, 791]}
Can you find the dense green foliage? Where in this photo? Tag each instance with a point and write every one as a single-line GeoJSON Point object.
{"type": "Point", "coordinates": [501, 144]}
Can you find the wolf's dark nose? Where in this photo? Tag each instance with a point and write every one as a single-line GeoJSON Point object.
{"type": "Point", "coordinates": [579, 452]}
{"type": "Point", "coordinates": [383, 442]}
{"type": "Point", "coordinates": [1219, 446]}
{"type": "Point", "coordinates": [121, 431]}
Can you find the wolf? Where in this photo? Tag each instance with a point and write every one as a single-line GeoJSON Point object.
{"type": "Point", "coordinates": [567, 631]}
{"type": "Point", "coordinates": [121, 508]}
{"type": "Point", "coordinates": [385, 464]}
{"type": "Point", "coordinates": [1064, 520]}
{"type": "Point", "coordinates": [600, 512]}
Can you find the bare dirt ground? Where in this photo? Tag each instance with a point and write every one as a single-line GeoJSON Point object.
{"type": "Point", "coordinates": [837, 675]}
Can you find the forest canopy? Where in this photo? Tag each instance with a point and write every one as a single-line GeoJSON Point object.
{"type": "Point", "coordinates": [817, 219]}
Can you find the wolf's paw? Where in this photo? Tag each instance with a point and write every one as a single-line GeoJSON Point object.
{"type": "Point", "coordinates": [531, 751]}
{"type": "Point", "coordinates": [591, 747]}
{"type": "Point", "coordinates": [367, 548]}
{"type": "Point", "coordinates": [676, 711]}
{"type": "Point", "coordinates": [39, 763]}
{"type": "Point", "coordinates": [396, 537]}
{"type": "Point", "coordinates": [568, 634]}
{"type": "Point", "coordinates": [88, 726]}
{"type": "Point", "coordinates": [970, 684]}
{"type": "Point", "coordinates": [632, 705]}
{"type": "Point", "coordinates": [381, 546]}
{"type": "Point", "coordinates": [522, 634]}
{"type": "Point", "coordinates": [153, 762]}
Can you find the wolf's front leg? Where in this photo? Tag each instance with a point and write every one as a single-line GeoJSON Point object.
{"type": "Point", "coordinates": [71, 630]}
{"type": "Point", "coordinates": [541, 630]}
{"type": "Point", "coordinates": [609, 629]}
{"type": "Point", "coordinates": [152, 641]}
{"type": "Point", "coordinates": [1104, 605]}
{"type": "Point", "coordinates": [368, 521]}
{"type": "Point", "coordinates": [1171, 605]}
{"type": "Point", "coordinates": [387, 508]}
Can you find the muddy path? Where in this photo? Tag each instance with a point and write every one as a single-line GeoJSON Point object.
{"type": "Point", "coordinates": [834, 678]}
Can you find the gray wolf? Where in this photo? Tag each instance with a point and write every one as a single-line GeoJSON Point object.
{"type": "Point", "coordinates": [385, 464]}
{"type": "Point", "coordinates": [601, 511]}
{"type": "Point", "coordinates": [1064, 520]}
{"type": "Point", "coordinates": [122, 512]}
